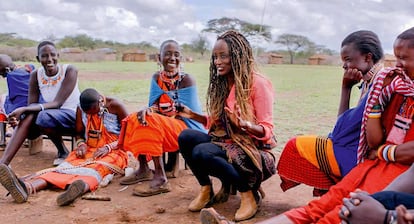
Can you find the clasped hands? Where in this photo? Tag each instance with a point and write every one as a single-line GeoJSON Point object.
{"type": "Point", "coordinates": [360, 207]}
{"type": "Point", "coordinates": [100, 152]}
{"type": "Point", "coordinates": [182, 111]}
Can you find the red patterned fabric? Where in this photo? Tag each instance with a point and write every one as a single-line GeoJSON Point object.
{"type": "Point", "coordinates": [309, 175]}
{"type": "Point", "coordinates": [401, 84]}
{"type": "Point", "coordinates": [371, 176]}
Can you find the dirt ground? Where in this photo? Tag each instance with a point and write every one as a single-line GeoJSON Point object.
{"type": "Point", "coordinates": [126, 208]}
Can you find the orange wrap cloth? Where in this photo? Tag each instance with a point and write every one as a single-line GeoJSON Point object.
{"type": "Point", "coordinates": [92, 173]}
{"type": "Point", "coordinates": [158, 136]}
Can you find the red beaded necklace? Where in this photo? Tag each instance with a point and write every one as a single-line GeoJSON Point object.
{"type": "Point", "coordinates": [171, 80]}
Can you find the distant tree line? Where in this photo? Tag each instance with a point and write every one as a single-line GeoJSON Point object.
{"type": "Point", "coordinates": [293, 45]}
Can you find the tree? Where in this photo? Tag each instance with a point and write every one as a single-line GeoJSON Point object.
{"type": "Point", "coordinates": [249, 30]}
{"type": "Point", "coordinates": [82, 41]}
{"type": "Point", "coordinates": [200, 44]}
{"type": "Point", "coordinates": [294, 43]}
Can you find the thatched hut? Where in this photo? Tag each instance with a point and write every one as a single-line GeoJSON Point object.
{"type": "Point", "coordinates": [72, 54]}
{"type": "Point", "coordinates": [105, 54]}
{"type": "Point", "coordinates": [134, 55]}
{"type": "Point", "coordinates": [271, 58]}
{"type": "Point", "coordinates": [317, 59]}
{"type": "Point", "coordinates": [389, 60]}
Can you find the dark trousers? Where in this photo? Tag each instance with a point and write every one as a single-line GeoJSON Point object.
{"type": "Point", "coordinates": [207, 159]}
{"type": "Point", "coordinates": [391, 199]}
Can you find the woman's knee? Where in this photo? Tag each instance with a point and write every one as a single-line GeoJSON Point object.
{"type": "Point", "coordinates": [189, 138]}
{"type": "Point", "coordinates": [185, 136]}
{"type": "Point", "coordinates": [206, 151]}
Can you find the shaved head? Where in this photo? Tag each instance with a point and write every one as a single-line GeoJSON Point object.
{"type": "Point", "coordinates": [5, 60]}
{"type": "Point", "coordinates": [6, 64]}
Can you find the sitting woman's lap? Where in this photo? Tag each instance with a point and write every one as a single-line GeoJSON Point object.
{"type": "Point", "coordinates": [56, 118]}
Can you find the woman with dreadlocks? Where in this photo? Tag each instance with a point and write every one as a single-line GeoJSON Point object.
{"type": "Point", "coordinates": [240, 120]}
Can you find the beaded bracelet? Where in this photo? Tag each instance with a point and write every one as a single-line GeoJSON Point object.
{"type": "Point", "coordinates": [374, 115]}
{"type": "Point", "coordinates": [386, 152]}
{"type": "Point", "coordinates": [80, 142]}
{"type": "Point", "coordinates": [113, 145]}
{"type": "Point", "coordinates": [393, 218]}
{"type": "Point", "coordinates": [376, 107]}
{"type": "Point", "coordinates": [109, 148]}
{"type": "Point", "coordinates": [42, 108]}
{"type": "Point", "coordinates": [386, 216]}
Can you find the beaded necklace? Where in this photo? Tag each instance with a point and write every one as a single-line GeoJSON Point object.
{"type": "Point", "coordinates": [51, 80]}
{"type": "Point", "coordinates": [171, 80]}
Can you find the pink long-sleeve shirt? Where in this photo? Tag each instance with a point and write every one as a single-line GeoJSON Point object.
{"type": "Point", "coordinates": [263, 99]}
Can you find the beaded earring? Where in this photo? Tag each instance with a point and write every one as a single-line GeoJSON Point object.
{"type": "Point", "coordinates": [101, 106]}
{"type": "Point", "coordinates": [160, 68]}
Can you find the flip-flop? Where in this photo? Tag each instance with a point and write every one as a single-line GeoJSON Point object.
{"type": "Point", "coordinates": [133, 179]}
{"type": "Point", "coordinates": [58, 161]}
{"type": "Point", "coordinates": [145, 190]}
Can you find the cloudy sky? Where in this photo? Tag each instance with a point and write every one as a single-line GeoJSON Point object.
{"type": "Point", "coordinates": [325, 22]}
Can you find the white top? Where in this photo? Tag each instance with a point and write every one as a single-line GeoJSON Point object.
{"type": "Point", "coordinates": [50, 86]}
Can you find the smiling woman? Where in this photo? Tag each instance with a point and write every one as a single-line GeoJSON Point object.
{"type": "Point", "coordinates": [237, 149]}
{"type": "Point", "coordinates": [53, 97]}
{"type": "Point", "coordinates": [154, 130]}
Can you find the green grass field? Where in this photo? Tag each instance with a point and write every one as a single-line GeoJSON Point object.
{"type": "Point", "coordinates": [306, 102]}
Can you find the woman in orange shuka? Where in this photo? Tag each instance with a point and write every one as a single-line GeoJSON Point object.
{"type": "Point", "coordinates": [98, 123]}
{"type": "Point", "coordinates": [152, 131]}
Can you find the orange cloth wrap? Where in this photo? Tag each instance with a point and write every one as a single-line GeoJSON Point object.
{"type": "Point", "coordinates": [158, 136]}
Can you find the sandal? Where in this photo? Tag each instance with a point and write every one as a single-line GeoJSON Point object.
{"type": "Point", "coordinates": [58, 161]}
{"type": "Point", "coordinates": [210, 216]}
{"type": "Point", "coordinates": [14, 185]}
{"type": "Point", "coordinates": [133, 179]}
{"type": "Point", "coordinates": [145, 190]}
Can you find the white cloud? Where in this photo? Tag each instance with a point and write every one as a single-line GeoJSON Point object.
{"type": "Point", "coordinates": [325, 22]}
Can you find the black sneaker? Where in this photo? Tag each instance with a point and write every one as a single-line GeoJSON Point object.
{"type": "Point", "coordinates": [14, 185]}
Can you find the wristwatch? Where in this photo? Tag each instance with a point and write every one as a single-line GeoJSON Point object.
{"type": "Point", "coordinates": [393, 218]}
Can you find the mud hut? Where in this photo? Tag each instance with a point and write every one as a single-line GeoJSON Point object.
{"type": "Point", "coordinates": [389, 60]}
{"type": "Point", "coordinates": [134, 55]}
{"type": "Point", "coordinates": [271, 58]}
{"type": "Point", "coordinates": [72, 54]}
{"type": "Point", "coordinates": [317, 59]}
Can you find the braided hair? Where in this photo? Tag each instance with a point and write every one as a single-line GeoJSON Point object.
{"type": "Point", "coordinates": [243, 66]}
{"type": "Point", "coordinates": [365, 41]}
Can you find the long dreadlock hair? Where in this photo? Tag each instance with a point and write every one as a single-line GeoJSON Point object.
{"type": "Point", "coordinates": [243, 66]}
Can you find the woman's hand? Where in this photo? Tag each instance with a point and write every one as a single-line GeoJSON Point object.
{"type": "Point", "coordinates": [14, 116]}
{"type": "Point", "coordinates": [235, 117]}
{"type": "Point", "coordinates": [101, 152]}
{"type": "Point", "coordinates": [372, 154]}
{"type": "Point", "coordinates": [403, 215]}
{"type": "Point", "coordinates": [361, 208]}
{"type": "Point", "coordinates": [184, 111]}
{"type": "Point", "coordinates": [141, 115]}
{"type": "Point", "coordinates": [351, 77]}
{"type": "Point", "coordinates": [81, 151]}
